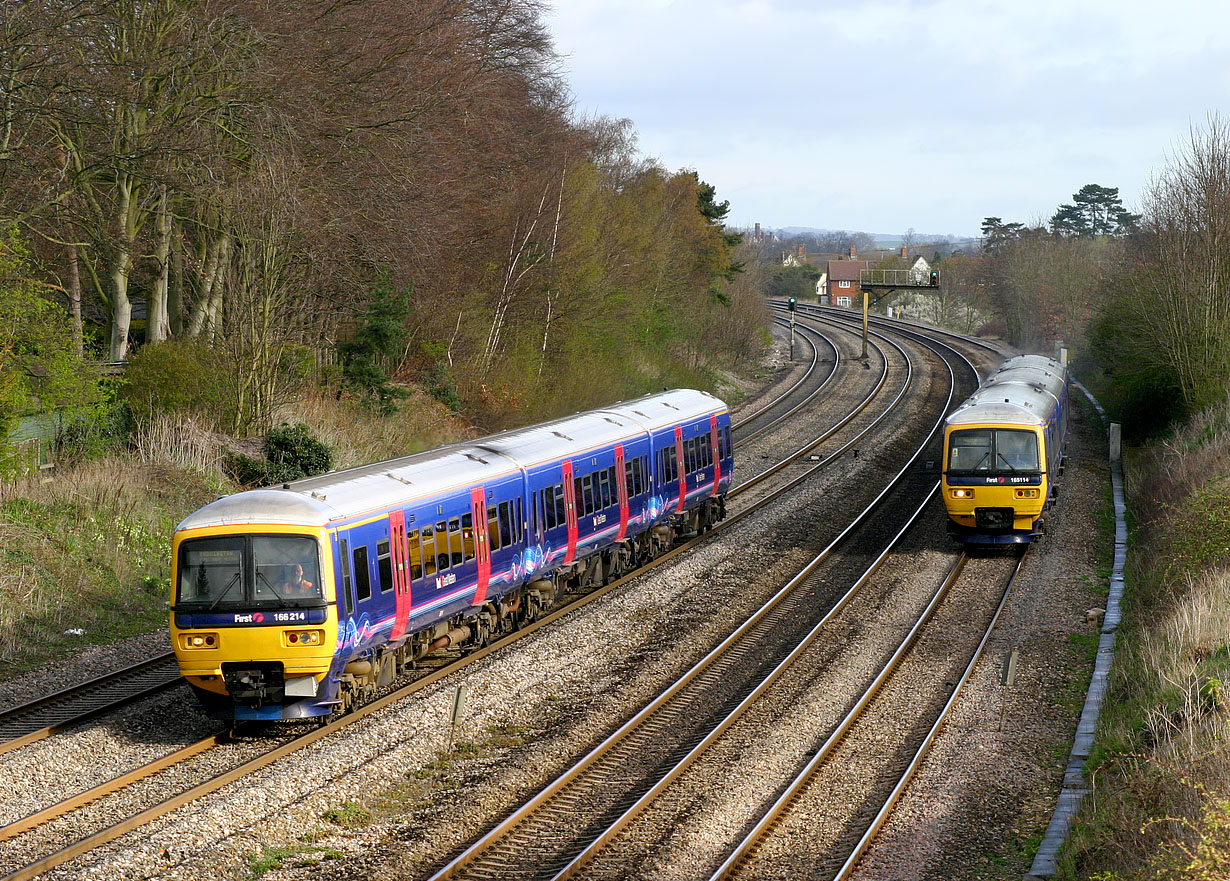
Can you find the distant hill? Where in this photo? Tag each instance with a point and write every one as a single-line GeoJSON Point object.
{"type": "Point", "coordinates": [883, 240]}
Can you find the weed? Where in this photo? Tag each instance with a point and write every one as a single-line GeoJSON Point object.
{"type": "Point", "coordinates": [298, 856]}
{"type": "Point", "coordinates": [348, 815]}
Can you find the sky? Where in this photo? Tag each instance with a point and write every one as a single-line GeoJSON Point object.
{"type": "Point", "coordinates": [892, 115]}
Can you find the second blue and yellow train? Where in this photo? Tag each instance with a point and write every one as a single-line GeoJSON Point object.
{"type": "Point", "coordinates": [1004, 452]}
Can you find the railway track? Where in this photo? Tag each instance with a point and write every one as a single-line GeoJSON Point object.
{"type": "Point", "coordinates": [110, 832]}
{"type": "Point", "coordinates": [857, 749]}
{"type": "Point", "coordinates": [569, 822]}
{"type": "Point", "coordinates": [53, 713]}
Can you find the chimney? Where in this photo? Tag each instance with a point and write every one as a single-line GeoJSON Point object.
{"type": "Point", "coordinates": [852, 253]}
{"type": "Point", "coordinates": [905, 254]}
{"type": "Point", "coordinates": [801, 252]}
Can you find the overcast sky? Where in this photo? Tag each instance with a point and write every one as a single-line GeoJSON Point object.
{"type": "Point", "coordinates": [882, 116]}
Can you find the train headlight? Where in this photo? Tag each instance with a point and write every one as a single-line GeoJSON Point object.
{"type": "Point", "coordinates": [198, 640]}
{"type": "Point", "coordinates": [303, 637]}
{"type": "Point", "coordinates": [963, 493]}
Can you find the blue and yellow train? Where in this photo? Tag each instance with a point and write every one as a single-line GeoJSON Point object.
{"type": "Point", "coordinates": [1004, 452]}
{"type": "Point", "coordinates": [302, 600]}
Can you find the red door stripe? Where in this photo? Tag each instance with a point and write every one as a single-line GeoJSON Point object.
{"type": "Point", "coordinates": [621, 483]}
{"type": "Point", "coordinates": [570, 511]}
{"type": "Point", "coordinates": [679, 464]}
{"type": "Point", "coordinates": [717, 453]}
{"type": "Point", "coordinates": [482, 545]}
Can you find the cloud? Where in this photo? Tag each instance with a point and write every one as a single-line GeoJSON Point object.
{"type": "Point", "coordinates": [885, 115]}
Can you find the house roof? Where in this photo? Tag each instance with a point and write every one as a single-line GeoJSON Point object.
{"type": "Point", "coordinates": [846, 270]}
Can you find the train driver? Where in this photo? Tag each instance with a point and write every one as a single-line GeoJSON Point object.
{"type": "Point", "coordinates": [297, 586]}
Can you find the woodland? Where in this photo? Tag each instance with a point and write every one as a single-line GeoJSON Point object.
{"type": "Point", "coordinates": [243, 200]}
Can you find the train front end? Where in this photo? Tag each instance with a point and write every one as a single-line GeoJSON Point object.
{"type": "Point", "coordinates": [994, 482]}
{"type": "Point", "coordinates": [254, 621]}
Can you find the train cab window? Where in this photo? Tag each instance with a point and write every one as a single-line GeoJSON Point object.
{"type": "Point", "coordinates": [455, 550]}
{"type": "Point", "coordinates": [415, 555]}
{"type": "Point", "coordinates": [992, 451]}
{"type": "Point", "coordinates": [362, 576]}
{"type": "Point", "coordinates": [343, 553]}
{"type": "Point", "coordinates": [429, 550]}
{"type": "Point", "coordinates": [442, 558]}
{"type": "Point", "coordinates": [467, 536]}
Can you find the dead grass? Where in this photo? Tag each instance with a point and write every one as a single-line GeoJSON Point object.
{"type": "Point", "coordinates": [85, 554]}
{"type": "Point", "coordinates": [1160, 807]}
{"type": "Point", "coordinates": [357, 437]}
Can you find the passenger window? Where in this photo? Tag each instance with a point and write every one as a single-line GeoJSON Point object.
{"type": "Point", "coordinates": [384, 565]}
{"type": "Point", "coordinates": [587, 484]}
{"type": "Point", "coordinates": [506, 531]}
{"type": "Point", "coordinates": [442, 560]}
{"type": "Point", "coordinates": [467, 535]}
{"type": "Point", "coordinates": [493, 528]}
{"type": "Point", "coordinates": [520, 522]}
{"type": "Point", "coordinates": [604, 490]}
{"type": "Point", "coordinates": [415, 555]}
{"type": "Point", "coordinates": [362, 580]}
{"type": "Point", "coordinates": [454, 541]}
{"type": "Point", "coordinates": [429, 550]}
{"type": "Point", "coordinates": [561, 508]}
{"type": "Point", "coordinates": [344, 555]}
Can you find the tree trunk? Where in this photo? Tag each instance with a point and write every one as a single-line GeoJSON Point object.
{"type": "Point", "coordinates": [158, 327]}
{"type": "Point", "coordinates": [74, 300]}
{"type": "Point", "coordinates": [121, 307]}
{"type": "Point", "coordinates": [175, 291]}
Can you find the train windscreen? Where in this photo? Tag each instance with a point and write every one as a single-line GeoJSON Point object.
{"type": "Point", "coordinates": [240, 571]}
{"type": "Point", "coordinates": [992, 451]}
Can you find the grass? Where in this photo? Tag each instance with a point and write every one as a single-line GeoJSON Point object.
{"type": "Point", "coordinates": [297, 856]}
{"type": "Point", "coordinates": [85, 555]}
{"type": "Point", "coordinates": [1160, 770]}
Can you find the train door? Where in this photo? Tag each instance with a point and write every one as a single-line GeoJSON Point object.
{"type": "Point", "coordinates": [570, 511]}
{"type": "Point", "coordinates": [621, 488]}
{"type": "Point", "coordinates": [683, 472]}
{"type": "Point", "coordinates": [482, 543]}
{"type": "Point", "coordinates": [715, 442]}
{"type": "Point", "coordinates": [401, 573]}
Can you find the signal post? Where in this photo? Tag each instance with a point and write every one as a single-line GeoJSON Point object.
{"type": "Point", "coordinates": [883, 282]}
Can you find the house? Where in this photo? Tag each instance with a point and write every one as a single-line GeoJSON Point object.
{"type": "Point", "coordinates": [843, 276]}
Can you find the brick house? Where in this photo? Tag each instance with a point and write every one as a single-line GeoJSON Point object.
{"type": "Point", "coordinates": [843, 275]}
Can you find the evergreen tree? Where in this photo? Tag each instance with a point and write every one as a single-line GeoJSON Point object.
{"type": "Point", "coordinates": [1096, 211]}
{"type": "Point", "coordinates": [379, 340]}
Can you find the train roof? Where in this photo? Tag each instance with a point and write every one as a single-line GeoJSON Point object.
{"type": "Point", "coordinates": [338, 495]}
{"type": "Point", "coordinates": [1023, 391]}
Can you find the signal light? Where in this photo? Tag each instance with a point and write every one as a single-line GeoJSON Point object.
{"type": "Point", "coordinates": [935, 278]}
{"type": "Point", "coordinates": [792, 304]}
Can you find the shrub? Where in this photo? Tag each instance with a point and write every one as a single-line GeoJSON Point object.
{"type": "Point", "coordinates": [291, 452]}
{"type": "Point", "coordinates": [178, 377]}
